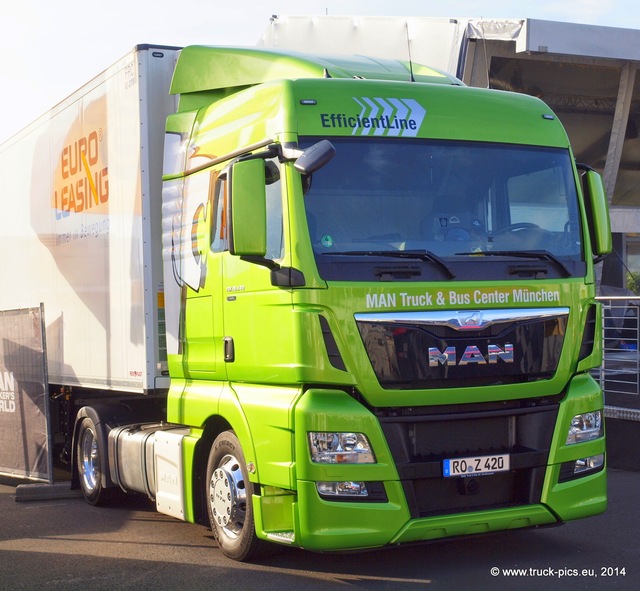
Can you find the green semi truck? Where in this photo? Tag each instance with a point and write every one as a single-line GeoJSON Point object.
{"type": "Point", "coordinates": [344, 303]}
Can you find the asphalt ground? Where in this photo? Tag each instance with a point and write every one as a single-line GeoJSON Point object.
{"type": "Point", "coordinates": [62, 543]}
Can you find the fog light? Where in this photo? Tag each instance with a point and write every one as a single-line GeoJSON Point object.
{"type": "Point", "coordinates": [340, 448]}
{"type": "Point", "coordinates": [585, 427]}
{"type": "Point", "coordinates": [588, 464]}
{"type": "Point", "coordinates": [581, 467]}
{"type": "Point", "coordinates": [342, 489]}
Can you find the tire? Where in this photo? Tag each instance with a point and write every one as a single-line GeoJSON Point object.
{"type": "Point", "coordinates": [92, 463]}
{"type": "Point", "coordinates": [229, 506]}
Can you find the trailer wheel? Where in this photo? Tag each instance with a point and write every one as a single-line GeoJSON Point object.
{"type": "Point", "coordinates": [229, 495]}
{"type": "Point", "coordinates": [91, 464]}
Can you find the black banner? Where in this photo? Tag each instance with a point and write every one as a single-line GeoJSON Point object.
{"type": "Point", "coordinates": [25, 450]}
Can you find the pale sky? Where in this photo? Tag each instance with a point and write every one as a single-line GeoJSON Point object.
{"type": "Point", "coordinates": [49, 48]}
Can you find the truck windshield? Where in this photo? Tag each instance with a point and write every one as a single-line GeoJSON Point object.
{"type": "Point", "coordinates": [447, 201]}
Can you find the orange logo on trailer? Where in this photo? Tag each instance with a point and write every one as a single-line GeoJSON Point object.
{"type": "Point", "coordinates": [82, 175]}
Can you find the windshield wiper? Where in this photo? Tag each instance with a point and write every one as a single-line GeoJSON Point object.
{"type": "Point", "coordinates": [423, 255]}
{"type": "Point", "coordinates": [541, 255]}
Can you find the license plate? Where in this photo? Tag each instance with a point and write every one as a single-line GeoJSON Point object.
{"type": "Point", "coordinates": [475, 465]}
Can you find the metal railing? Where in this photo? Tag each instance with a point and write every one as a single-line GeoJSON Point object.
{"type": "Point", "coordinates": [619, 374]}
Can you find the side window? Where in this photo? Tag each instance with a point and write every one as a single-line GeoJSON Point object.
{"type": "Point", "coordinates": [218, 211]}
{"type": "Point", "coordinates": [275, 228]}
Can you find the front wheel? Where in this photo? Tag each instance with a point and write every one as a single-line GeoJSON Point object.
{"type": "Point", "coordinates": [229, 495]}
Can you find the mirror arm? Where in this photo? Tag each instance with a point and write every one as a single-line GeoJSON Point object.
{"type": "Point", "coordinates": [264, 262]}
{"type": "Point", "coordinates": [280, 276]}
{"type": "Point", "coordinates": [584, 167]}
{"type": "Point", "coordinates": [272, 151]}
{"type": "Point", "coordinates": [283, 152]}
{"type": "Point", "coordinates": [289, 152]}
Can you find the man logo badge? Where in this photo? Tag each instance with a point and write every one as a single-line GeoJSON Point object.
{"type": "Point", "coordinates": [470, 319]}
{"type": "Point", "coordinates": [471, 354]}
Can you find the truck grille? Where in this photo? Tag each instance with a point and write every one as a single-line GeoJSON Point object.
{"type": "Point", "coordinates": [426, 350]}
{"type": "Point", "coordinates": [419, 442]}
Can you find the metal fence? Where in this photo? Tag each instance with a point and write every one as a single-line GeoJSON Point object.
{"type": "Point", "coordinates": [619, 374]}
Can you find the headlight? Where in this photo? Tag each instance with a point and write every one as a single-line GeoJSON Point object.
{"type": "Point", "coordinates": [585, 427]}
{"type": "Point", "coordinates": [340, 448]}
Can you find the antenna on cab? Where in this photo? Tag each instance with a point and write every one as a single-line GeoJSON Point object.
{"type": "Point", "coordinates": [411, 78]}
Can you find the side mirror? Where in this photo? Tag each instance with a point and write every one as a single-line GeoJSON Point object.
{"type": "Point", "coordinates": [248, 208]}
{"type": "Point", "coordinates": [597, 213]}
